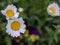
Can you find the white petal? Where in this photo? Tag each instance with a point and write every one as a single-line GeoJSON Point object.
{"type": "Point", "coordinates": [3, 12]}
{"type": "Point", "coordinates": [16, 14]}
{"type": "Point", "coordinates": [22, 30]}
{"type": "Point", "coordinates": [12, 7]}
{"type": "Point", "coordinates": [8, 31]}
{"type": "Point", "coordinates": [15, 34]}
{"type": "Point", "coordinates": [21, 20]}
{"type": "Point", "coordinates": [23, 26]}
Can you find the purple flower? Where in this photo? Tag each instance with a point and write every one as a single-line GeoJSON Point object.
{"type": "Point", "coordinates": [33, 30]}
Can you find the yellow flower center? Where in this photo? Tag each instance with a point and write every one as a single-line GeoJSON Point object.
{"type": "Point", "coordinates": [15, 25]}
{"type": "Point", "coordinates": [53, 11]}
{"type": "Point", "coordinates": [10, 13]}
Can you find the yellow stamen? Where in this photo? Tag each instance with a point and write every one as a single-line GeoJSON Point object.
{"type": "Point", "coordinates": [10, 13]}
{"type": "Point", "coordinates": [15, 25]}
{"type": "Point", "coordinates": [52, 10]}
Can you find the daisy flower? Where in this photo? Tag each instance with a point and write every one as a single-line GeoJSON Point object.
{"type": "Point", "coordinates": [15, 27]}
{"type": "Point", "coordinates": [53, 9]}
{"type": "Point", "coordinates": [10, 11]}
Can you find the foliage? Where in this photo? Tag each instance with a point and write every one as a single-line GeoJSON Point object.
{"type": "Point", "coordinates": [35, 12]}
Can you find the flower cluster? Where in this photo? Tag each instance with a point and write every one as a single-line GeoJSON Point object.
{"type": "Point", "coordinates": [15, 26]}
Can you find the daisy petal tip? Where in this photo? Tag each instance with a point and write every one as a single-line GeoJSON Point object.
{"type": "Point", "coordinates": [2, 11]}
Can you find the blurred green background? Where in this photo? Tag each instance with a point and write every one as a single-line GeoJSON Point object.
{"type": "Point", "coordinates": [35, 13]}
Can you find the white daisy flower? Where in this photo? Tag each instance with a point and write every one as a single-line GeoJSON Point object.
{"type": "Point", "coordinates": [15, 27]}
{"type": "Point", "coordinates": [53, 9]}
{"type": "Point", "coordinates": [10, 11]}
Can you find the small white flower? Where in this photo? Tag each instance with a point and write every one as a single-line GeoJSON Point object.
{"type": "Point", "coordinates": [53, 9]}
{"type": "Point", "coordinates": [20, 9]}
{"type": "Point", "coordinates": [10, 11]}
{"type": "Point", "coordinates": [15, 27]}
